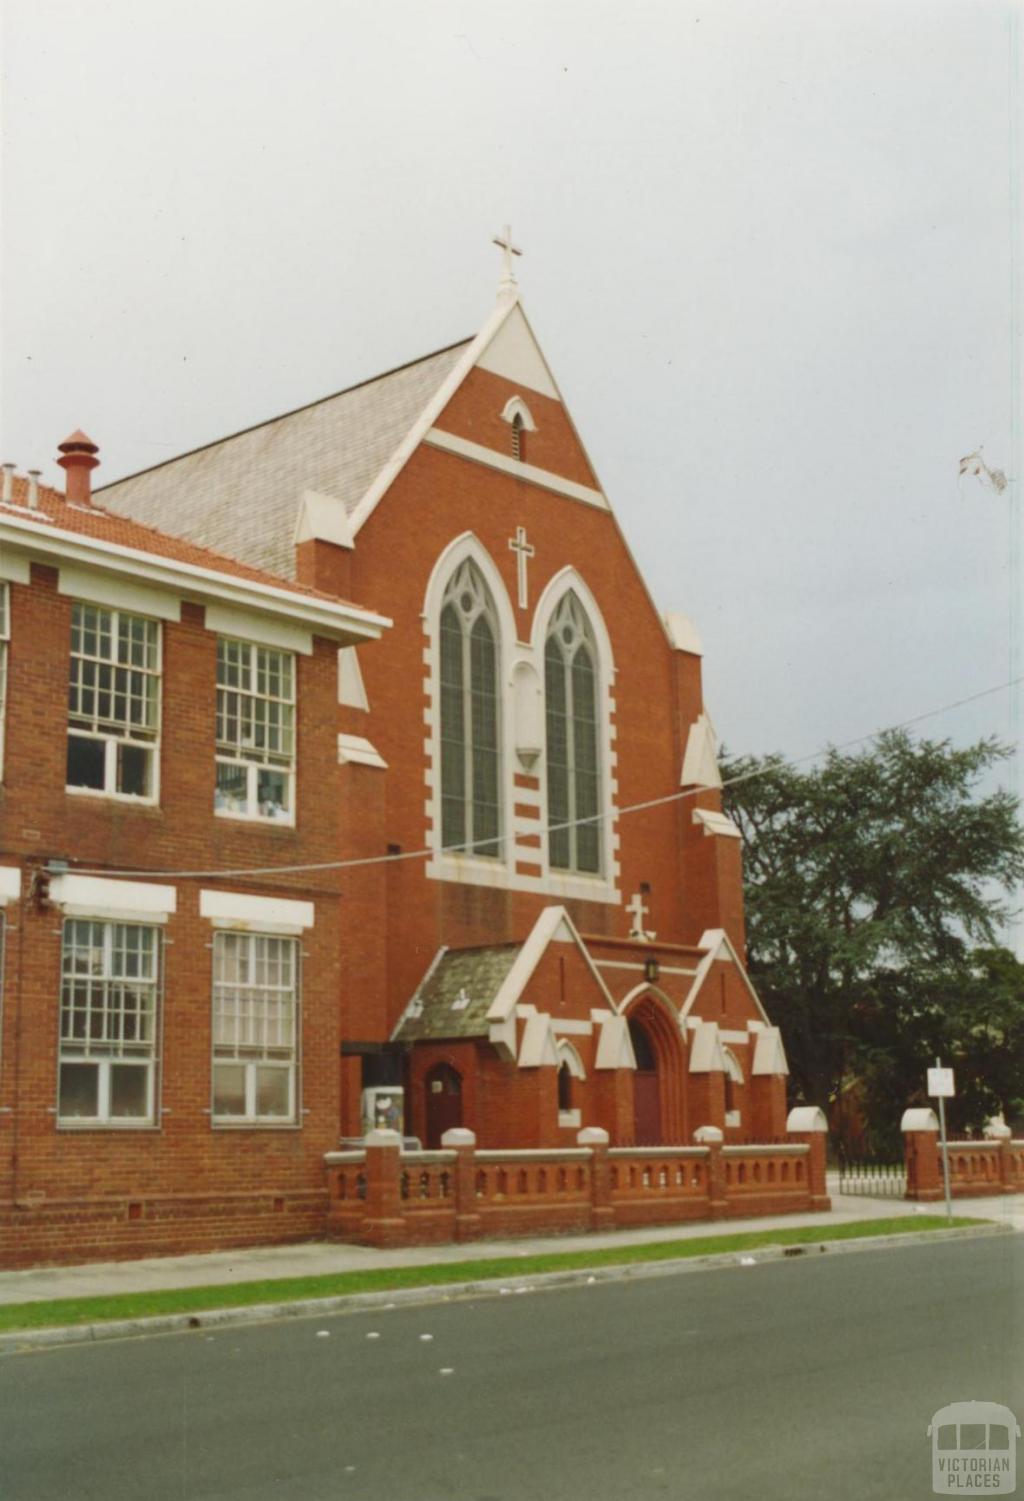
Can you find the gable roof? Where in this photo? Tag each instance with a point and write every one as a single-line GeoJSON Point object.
{"type": "Point", "coordinates": [337, 445]}
{"type": "Point", "coordinates": [54, 525]}
{"type": "Point", "coordinates": [454, 996]}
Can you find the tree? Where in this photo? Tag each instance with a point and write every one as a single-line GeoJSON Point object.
{"type": "Point", "coordinates": [869, 882]}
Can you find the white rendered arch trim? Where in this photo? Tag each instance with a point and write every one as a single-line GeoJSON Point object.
{"type": "Point", "coordinates": [732, 1064]}
{"type": "Point", "coordinates": [494, 870]}
{"type": "Point", "coordinates": [516, 407]}
{"type": "Point", "coordinates": [568, 1055]}
{"type": "Point", "coordinates": [645, 988]}
{"type": "Point", "coordinates": [565, 883]}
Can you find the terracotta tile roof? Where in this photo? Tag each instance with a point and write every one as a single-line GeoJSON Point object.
{"type": "Point", "coordinates": [337, 446]}
{"type": "Point", "coordinates": [93, 521]}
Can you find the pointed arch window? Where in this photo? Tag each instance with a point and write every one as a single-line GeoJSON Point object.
{"type": "Point", "coordinates": [570, 681]}
{"type": "Point", "coordinates": [470, 753]}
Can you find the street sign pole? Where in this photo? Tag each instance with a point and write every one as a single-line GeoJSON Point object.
{"type": "Point", "coordinates": [945, 1152]}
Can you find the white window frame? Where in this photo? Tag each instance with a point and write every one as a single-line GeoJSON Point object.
{"type": "Point", "coordinates": [256, 762]}
{"type": "Point", "coordinates": [467, 577]}
{"type": "Point", "coordinates": [245, 1055]}
{"type": "Point", "coordinates": [111, 741]}
{"type": "Point", "coordinates": [5, 636]}
{"type": "Point", "coordinates": [105, 1055]}
{"type": "Point", "coordinates": [588, 641]}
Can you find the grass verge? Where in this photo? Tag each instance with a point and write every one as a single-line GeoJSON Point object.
{"type": "Point", "coordinates": [71, 1311]}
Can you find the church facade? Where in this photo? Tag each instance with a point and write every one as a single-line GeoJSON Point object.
{"type": "Point", "coordinates": [532, 958]}
{"type": "Point", "coordinates": [472, 824]}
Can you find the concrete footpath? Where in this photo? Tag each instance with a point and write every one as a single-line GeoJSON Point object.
{"type": "Point", "coordinates": [313, 1259]}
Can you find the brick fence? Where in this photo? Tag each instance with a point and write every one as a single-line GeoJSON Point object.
{"type": "Point", "coordinates": [382, 1196]}
{"type": "Point", "coordinates": [992, 1166]}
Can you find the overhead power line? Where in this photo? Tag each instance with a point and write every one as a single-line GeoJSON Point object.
{"type": "Point", "coordinates": [614, 816]}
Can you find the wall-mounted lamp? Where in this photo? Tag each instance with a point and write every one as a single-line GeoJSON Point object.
{"type": "Point", "coordinates": [650, 970]}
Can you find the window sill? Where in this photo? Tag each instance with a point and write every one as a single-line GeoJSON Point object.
{"type": "Point", "coordinates": [254, 821]}
{"type": "Point", "coordinates": [76, 1127]}
{"type": "Point", "coordinates": [219, 1123]}
{"type": "Point", "coordinates": [126, 799]}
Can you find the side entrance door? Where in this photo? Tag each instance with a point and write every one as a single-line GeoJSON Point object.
{"type": "Point", "coordinates": [443, 1104]}
{"type": "Point", "coordinates": [646, 1089]}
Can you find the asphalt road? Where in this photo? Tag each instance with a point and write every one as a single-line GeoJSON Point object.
{"type": "Point", "coordinates": [810, 1378]}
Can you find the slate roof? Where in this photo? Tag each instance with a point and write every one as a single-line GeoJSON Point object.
{"type": "Point", "coordinates": [453, 998]}
{"type": "Point", "coordinates": [242, 493]}
{"type": "Point", "coordinates": [54, 511]}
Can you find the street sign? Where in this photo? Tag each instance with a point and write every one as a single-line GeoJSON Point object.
{"type": "Point", "coordinates": [940, 1083]}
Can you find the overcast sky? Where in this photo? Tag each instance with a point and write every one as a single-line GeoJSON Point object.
{"type": "Point", "coordinates": [767, 253]}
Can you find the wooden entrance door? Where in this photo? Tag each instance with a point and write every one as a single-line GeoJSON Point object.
{"type": "Point", "coordinates": [444, 1103]}
{"type": "Point", "coordinates": [646, 1088]}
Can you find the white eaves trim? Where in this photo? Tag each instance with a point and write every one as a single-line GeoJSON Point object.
{"type": "Point", "coordinates": [554, 923]}
{"type": "Point", "coordinates": [10, 884]}
{"type": "Point", "coordinates": [100, 897]}
{"type": "Point", "coordinates": [440, 399]}
{"type": "Point", "coordinates": [479, 454]}
{"type": "Point", "coordinates": [267, 630]}
{"type": "Point", "coordinates": [359, 750]}
{"type": "Point", "coordinates": [258, 914]}
{"type": "Point", "coordinates": [715, 823]}
{"type": "Point", "coordinates": [14, 566]}
{"type": "Point", "coordinates": [717, 944]}
{"type": "Point", "coordinates": [118, 593]}
{"type": "Point", "coordinates": [337, 621]}
{"type": "Point", "coordinates": [682, 633]}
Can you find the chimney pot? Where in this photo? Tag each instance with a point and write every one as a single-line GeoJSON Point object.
{"type": "Point", "coordinates": [8, 493]}
{"type": "Point", "coordinates": [78, 460]}
{"type": "Point", "coordinates": [33, 487]}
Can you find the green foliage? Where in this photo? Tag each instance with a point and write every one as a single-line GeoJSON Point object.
{"type": "Point", "coordinates": [875, 890]}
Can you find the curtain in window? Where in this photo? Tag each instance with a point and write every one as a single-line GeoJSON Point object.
{"type": "Point", "coordinates": [470, 753]}
{"type": "Point", "coordinates": [570, 680]}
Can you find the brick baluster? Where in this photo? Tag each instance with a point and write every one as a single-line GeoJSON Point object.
{"type": "Point", "coordinates": [602, 1211]}
{"type": "Point", "coordinates": [468, 1222]}
{"type": "Point", "coordinates": [711, 1137]}
{"type": "Point", "coordinates": [384, 1224]}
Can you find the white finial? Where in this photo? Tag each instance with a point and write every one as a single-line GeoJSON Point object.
{"type": "Point", "coordinates": [508, 250]}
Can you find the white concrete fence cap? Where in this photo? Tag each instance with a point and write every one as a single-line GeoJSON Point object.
{"type": "Point", "coordinates": [382, 1137]}
{"type": "Point", "coordinates": [806, 1118]}
{"type": "Point", "coordinates": [458, 1136]}
{"type": "Point", "coordinates": [921, 1118]}
{"type": "Point", "coordinates": [996, 1129]}
{"type": "Point", "coordinates": [704, 1134]}
{"type": "Point", "coordinates": [592, 1136]}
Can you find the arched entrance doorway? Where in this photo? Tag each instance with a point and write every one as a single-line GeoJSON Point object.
{"type": "Point", "coordinates": [646, 1097]}
{"type": "Point", "coordinates": [443, 1087]}
{"type": "Point", "coordinates": [658, 1079]}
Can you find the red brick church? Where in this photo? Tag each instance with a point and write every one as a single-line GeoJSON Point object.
{"type": "Point", "coordinates": [511, 941]}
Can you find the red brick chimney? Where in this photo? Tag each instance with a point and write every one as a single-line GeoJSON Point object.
{"type": "Point", "coordinates": [79, 459]}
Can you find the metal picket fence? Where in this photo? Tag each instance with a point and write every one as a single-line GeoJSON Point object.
{"type": "Point", "coordinates": [876, 1180]}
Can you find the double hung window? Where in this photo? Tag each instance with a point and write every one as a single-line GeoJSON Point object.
{"type": "Point", "coordinates": [470, 754]}
{"type": "Point", "coordinates": [255, 1028]}
{"type": "Point", "coordinates": [108, 1022]}
{"type": "Point", "coordinates": [113, 702]}
{"type": "Point", "coordinates": [573, 786]}
{"type": "Point", "coordinates": [255, 731]}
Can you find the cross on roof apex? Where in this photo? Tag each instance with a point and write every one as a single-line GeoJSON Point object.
{"type": "Point", "coordinates": [508, 250]}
